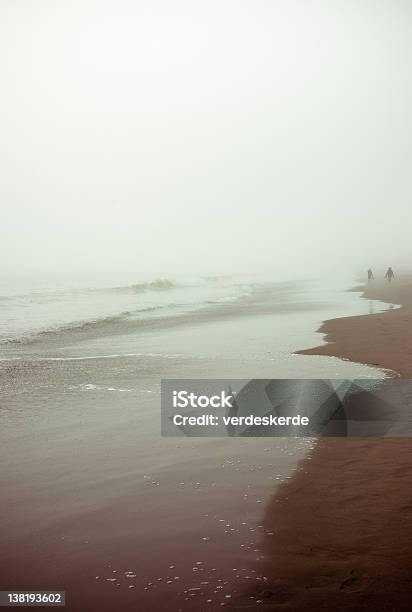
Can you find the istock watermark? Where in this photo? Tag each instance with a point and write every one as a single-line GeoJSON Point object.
{"type": "Point", "coordinates": [184, 399]}
{"type": "Point", "coordinates": [280, 408]}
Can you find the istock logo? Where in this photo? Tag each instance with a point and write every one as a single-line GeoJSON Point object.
{"type": "Point", "coordinates": [183, 399]}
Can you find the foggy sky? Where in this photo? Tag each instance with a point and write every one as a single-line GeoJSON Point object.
{"type": "Point", "coordinates": [157, 138]}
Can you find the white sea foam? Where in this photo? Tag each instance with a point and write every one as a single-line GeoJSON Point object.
{"type": "Point", "coordinates": [94, 387]}
{"type": "Point", "coordinates": [112, 356]}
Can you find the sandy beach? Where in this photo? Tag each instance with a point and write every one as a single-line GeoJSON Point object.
{"type": "Point", "coordinates": [383, 339]}
{"type": "Point", "coordinates": [96, 503]}
{"type": "Point", "coordinates": [197, 412]}
{"type": "Point", "coordinates": [342, 526]}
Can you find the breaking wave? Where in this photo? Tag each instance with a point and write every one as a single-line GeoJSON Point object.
{"type": "Point", "coordinates": [46, 311]}
{"type": "Point", "coordinates": [161, 284]}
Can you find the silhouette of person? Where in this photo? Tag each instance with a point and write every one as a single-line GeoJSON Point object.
{"type": "Point", "coordinates": [389, 274]}
{"type": "Point", "coordinates": [370, 275]}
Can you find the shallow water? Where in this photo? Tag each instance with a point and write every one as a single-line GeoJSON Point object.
{"type": "Point", "coordinates": [96, 502]}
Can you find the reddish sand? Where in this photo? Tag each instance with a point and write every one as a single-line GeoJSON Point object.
{"type": "Point", "coordinates": [383, 339]}
{"type": "Point", "coordinates": [342, 528]}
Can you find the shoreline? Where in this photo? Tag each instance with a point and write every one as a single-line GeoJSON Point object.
{"type": "Point", "coordinates": [107, 509]}
{"type": "Point", "coordinates": [381, 339]}
{"type": "Point", "coordinates": [342, 526]}
{"type": "Point", "coordinates": [181, 514]}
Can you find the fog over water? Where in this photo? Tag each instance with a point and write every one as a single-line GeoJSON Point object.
{"type": "Point", "coordinates": [154, 139]}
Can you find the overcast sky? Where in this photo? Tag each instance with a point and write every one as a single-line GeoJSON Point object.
{"type": "Point", "coordinates": [158, 138]}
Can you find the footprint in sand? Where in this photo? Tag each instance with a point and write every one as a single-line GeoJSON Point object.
{"type": "Point", "coordinates": [356, 581]}
{"type": "Point", "coordinates": [278, 593]}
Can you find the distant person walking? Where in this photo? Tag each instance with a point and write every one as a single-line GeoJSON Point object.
{"type": "Point", "coordinates": [389, 274]}
{"type": "Point", "coordinates": [370, 275]}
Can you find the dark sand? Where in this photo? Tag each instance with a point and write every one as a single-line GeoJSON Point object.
{"type": "Point", "coordinates": [343, 525]}
{"type": "Point", "coordinates": [95, 502]}
{"type": "Point", "coordinates": [90, 491]}
{"type": "Point", "coordinates": [383, 339]}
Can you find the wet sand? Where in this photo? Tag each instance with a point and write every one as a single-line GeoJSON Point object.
{"type": "Point", "coordinates": [96, 503]}
{"type": "Point", "coordinates": [342, 527]}
{"type": "Point", "coordinates": [383, 339]}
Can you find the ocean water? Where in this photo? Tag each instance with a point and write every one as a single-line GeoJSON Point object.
{"type": "Point", "coordinates": [87, 480]}
{"type": "Point", "coordinates": [27, 309]}
{"type": "Point", "coordinates": [218, 327]}
{"type": "Point", "coordinates": [85, 346]}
